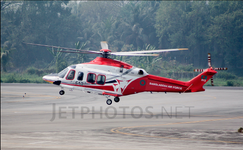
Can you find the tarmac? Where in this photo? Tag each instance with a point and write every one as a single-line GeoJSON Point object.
{"type": "Point", "coordinates": [35, 116]}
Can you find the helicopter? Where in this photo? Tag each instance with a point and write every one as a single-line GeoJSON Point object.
{"type": "Point", "coordinates": [109, 77]}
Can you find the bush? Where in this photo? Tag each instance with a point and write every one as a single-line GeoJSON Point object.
{"type": "Point", "coordinates": [230, 83]}
{"type": "Point", "coordinates": [39, 72]}
{"type": "Point", "coordinates": [52, 70]}
{"type": "Point", "coordinates": [11, 79]}
{"type": "Point", "coordinates": [226, 75]}
{"type": "Point", "coordinates": [24, 81]}
{"type": "Point", "coordinates": [233, 83]}
{"type": "Point", "coordinates": [31, 70]}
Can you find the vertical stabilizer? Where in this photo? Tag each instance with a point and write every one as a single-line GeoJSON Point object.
{"type": "Point", "coordinates": [196, 84]}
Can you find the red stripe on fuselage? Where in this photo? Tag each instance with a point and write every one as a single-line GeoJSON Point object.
{"type": "Point", "coordinates": [109, 62]}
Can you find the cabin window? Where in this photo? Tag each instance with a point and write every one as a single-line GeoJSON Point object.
{"type": "Point", "coordinates": [91, 78]}
{"type": "Point", "coordinates": [101, 79]}
{"type": "Point", "coordinates": [80, 76]}
{"type": "Point", "coordinates": [71, 75]}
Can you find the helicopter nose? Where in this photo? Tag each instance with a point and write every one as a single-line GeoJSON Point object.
{"type": "Point", "coordinates": [50, 78]}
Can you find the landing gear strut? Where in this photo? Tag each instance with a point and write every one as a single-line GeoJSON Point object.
{"type": "Point", "coordinates": [117, 99]}
{"type": "Point", "coordinates": [61, 92]}
{"type": "Point", "coordinates": [109, 102]}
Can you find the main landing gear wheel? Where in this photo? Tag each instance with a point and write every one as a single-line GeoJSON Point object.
{"type": "Point", "coordinates": [61, 92]}
{"type": "Point", "coordinates": [109, 102]}
{"type": "Point", "coordinates": [117, 99]}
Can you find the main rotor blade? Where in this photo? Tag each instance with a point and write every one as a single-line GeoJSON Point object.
{"type": "Point", "coordinates": [81, 52]}
{"type": "Point", "coordinates": [104, 45]}
{"type": "Point", "coordinates": [73, 49]}
{"type": "Point", "coordinates": [126, 54]}
{"type": "Point", "coordinates": [151, 51]}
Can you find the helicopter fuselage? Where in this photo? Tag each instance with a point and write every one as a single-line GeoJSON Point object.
{"type": "Point", "coordinates": [105, 76]}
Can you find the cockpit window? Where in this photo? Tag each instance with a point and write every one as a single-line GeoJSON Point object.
{"type": "Point", "coordinates": [63, 73]}
{"type": "Point", "coordinates": [71, 75]}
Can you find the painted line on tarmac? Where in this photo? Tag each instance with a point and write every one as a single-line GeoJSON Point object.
{"type": "Point", "coordinates": [118, 130]}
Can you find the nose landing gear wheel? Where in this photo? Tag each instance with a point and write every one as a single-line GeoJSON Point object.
{"type": "Point", "coordinates": [109, 102]}
{"type": "Point", "coordinates": [117, 99]}
{"type": "Point", "coordinates": [61, 92]}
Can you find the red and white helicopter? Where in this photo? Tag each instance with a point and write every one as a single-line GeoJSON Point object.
{"type": "Point", "coordinates": [109, 77]}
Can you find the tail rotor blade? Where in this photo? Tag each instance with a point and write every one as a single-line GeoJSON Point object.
{"type": "Point", "coordinates": [209, 60]}
{"type": "Point", "coordinates": [212, 81]}
{"type": "Point", "coordinates": [198, 70]}
{"type": "Point", "coordinates": [220, 68]}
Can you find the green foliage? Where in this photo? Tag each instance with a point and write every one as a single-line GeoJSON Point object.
{"type": "Point", "coordinates": [45, 22]}
{"type": "Point", "coordinates": [226, 75]}
{"type": "Point", "coordinates": [230, 83]}
{"type": "Point", "coordinates": [21, 78]}
{"type": "Point", "coordinates": [225, 33]}
{"type": "Point", "coordinates": [31, 70]}
{"type": "Point", "coordinates": [234, 83]}
{"type": "Point", "coordinates": [61, 65]}
{"type": "Point", "coordinates": [11, 79]}
{"type": "Point", "coordinates": [203, 27]}
{"type": "Point", "coordinates": [212, 26]}
{"type": "Point", "coordinates": [6, 52]}
{"type": "Point", "coordinates": [182, 67]}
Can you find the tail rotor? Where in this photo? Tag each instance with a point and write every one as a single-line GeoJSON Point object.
{"type": "Point", "coordinates": [209, 60]}
{"type": "Point", "coordinates": [209, 66]}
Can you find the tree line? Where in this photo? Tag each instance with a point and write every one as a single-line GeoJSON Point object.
{"type": "Point", "coordinates": [201, 26]}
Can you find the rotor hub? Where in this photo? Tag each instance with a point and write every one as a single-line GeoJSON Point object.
{"type": "Point", "coordinates": [105, 52]}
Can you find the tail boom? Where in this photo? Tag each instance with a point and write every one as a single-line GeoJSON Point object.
{"type": "Point", "coordinates": [160, 84]}
{"type": "Point", "coordinates": [152, 83]}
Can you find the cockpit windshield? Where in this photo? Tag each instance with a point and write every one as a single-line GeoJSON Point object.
{"type": "Point", "coordinates": [63, 73]}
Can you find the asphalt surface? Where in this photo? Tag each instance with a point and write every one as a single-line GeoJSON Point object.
{"type": "Point", "coordinates": [35, 116]}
